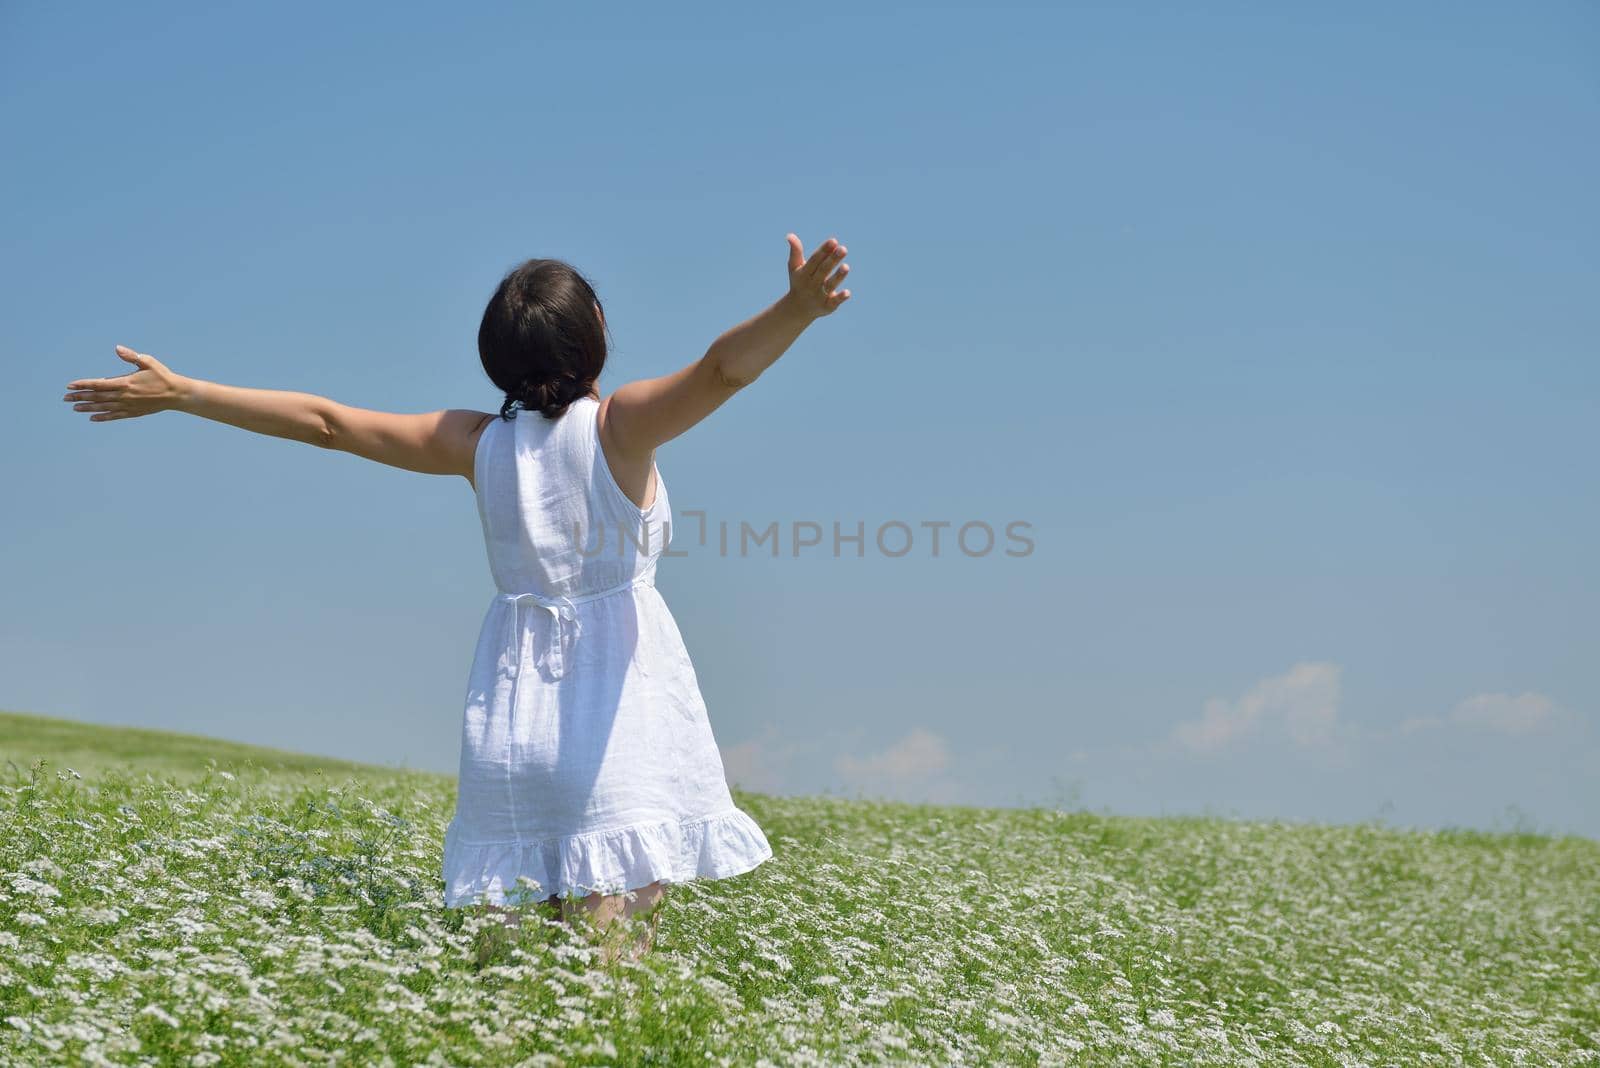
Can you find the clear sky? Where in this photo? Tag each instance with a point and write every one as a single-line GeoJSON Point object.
{"type": "Point", "coordinates": [1277, 326]}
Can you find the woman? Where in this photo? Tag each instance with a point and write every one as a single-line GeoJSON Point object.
{"type": "Point", "coordinates": [588, 765]}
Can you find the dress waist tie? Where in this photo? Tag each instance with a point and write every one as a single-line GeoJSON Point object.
{"type": "Point", "coordinates": [564, 625]}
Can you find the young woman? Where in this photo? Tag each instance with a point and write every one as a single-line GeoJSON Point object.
{"type": "Point", "coordinates": [587, 762]}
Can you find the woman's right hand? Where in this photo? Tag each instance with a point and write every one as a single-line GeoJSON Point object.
{"type": "Point", "coordinates": [150, 387]}
{"type": "Point", "coordinates": [813, 279]}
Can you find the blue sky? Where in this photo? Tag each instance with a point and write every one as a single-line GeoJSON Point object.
{"type": "Point", "coordinates": [1277, 327]}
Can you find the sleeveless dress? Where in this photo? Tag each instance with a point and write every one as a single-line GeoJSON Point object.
{"type": "Point", "coordinates": [587, 760]}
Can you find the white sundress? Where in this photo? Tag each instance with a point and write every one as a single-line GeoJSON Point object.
{"type": "Point", "coordinates": [587, 760]}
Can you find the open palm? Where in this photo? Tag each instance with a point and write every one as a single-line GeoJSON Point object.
{"type": "Point", "coordinates": [151, 387]}
{"type": "Point", "coordinates": [813, 279]}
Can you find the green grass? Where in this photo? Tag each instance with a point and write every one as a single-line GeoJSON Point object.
{"type": "Point", "coordinates": [90, 748]}
{"type": "Point", "coordinates": [192, 901]}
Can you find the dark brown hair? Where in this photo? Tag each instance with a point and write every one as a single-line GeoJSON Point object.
{"type": "Point", "coordinates": [541, 342]}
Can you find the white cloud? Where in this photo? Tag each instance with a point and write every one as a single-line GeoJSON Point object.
{"type": "Point", "coordinates": [1304, 702]}
{"type": "Point", "coordinates": [1523, 714]}
{"type": "Point", "coordinates": [1502, 713]}
{"type": "Point", "coordinates": [918, 755]}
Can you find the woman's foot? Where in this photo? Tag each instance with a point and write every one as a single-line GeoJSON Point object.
{"type": "Point", "coordinates": [627, 938]}
{"type": "Point", "coordinates": [624, 925]}
{"type": "Point", "coordinates": [493, 936]}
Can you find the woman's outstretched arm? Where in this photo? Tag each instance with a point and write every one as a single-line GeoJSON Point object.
{"type": "Point", "coordinates": [439, 442]}
{"type": "Point", "coordinates": [641, 415]}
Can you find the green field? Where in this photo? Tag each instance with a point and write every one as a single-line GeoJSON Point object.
{"type": "Point", "coordinates": [166, 899]}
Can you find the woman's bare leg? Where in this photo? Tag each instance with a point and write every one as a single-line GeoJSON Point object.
{"type": "Point", "coordinates": [599, 911]}
{"type": "Point", "coordinates": [603, 910]}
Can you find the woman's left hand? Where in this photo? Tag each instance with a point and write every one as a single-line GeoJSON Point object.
{"type": "Point", "coordinates": [153, 387]}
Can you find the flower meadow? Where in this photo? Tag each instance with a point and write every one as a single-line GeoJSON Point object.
{"type": "Point", "coordinates": [253, 912]}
